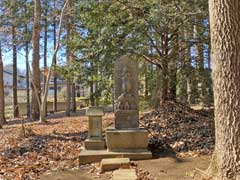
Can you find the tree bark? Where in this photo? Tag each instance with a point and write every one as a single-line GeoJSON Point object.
{"type": "Point", "coordinates": [73, 98]}
{"type": "Point", "coordinates": [45, 43]}
{"type": "Point", "coordinates": [35, 62]}
{"type": "Point", "coordinates": [201, 88]}
{"type": "Point", "coordinates": [92, 99]}
{"type": "Point", "coordinates": [55, 61]}
{"type": "Point", "coordinates": [27, 40]}
{"type": "Point", "coordinates": [68, 59]}
{"type": "Point", "coordinates": [15, 75]}
{"type": "Point", "coordinates": [73, 29]}
{"type": "Point", "coordinates": [188, 66]}
{"type": "Point", "coordinates": [165, 72]}
{"type": "Point", "coordinates": [146, 79]}
{"type": "Point", "coordinates": [45, 39]}
{"type": "Point", "coordinates": [172, 66]}
{"type": "Point", "coordinates": [225, 40]}
{"type": "Point", "coordinates": [157, 94]}
{"type": "Point", "coordinates": [165, 80]}
{"type": "Point", "coordinates": [2, 102]}
{"type": "Point", "coordinates": [68, 98]}
{"type": "Point", "coordinates": [28, 108]}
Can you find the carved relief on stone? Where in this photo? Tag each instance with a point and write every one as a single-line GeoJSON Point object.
{"type": "Point", "coordinates": [126, 93]}
{"type": "Point", "coordinates": [126, 101]}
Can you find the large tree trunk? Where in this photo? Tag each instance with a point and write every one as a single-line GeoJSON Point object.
{"type": "Point", "coordinates": [15, 75]}
{"type": "Point", "coordinates": [2, 102]}
{"type": "Point", "coordinates": [225, 38]}
{"type": "Point", "coordinates": [35, 61]}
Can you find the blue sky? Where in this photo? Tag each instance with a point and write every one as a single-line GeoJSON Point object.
{"type": "Point", "coordinates": [21, 62]}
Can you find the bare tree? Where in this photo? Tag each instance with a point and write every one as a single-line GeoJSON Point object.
{"type": "Point", "coordinates": [55, 59]}
{"type": "Point", "coordinates": [44, 99]}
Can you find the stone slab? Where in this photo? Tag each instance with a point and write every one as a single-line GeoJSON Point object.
{"type": "Point", "coordinates": [114, 163]}
{"type": "Point", "coordinates": [95, 111]}
{"type": "Point", "coordinates": [127, 140]}
{"type": "Point", "coordinates": [125, 174]}
{"type": "Point", "coordinates": [90, 156]}
{"type": "Point", "coordinates": [92, 144]}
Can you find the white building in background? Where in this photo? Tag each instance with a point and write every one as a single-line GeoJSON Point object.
{"type": "Point", "coordinates": [81, 90]}
{"type": "Point", "coordinates": [8, 81]}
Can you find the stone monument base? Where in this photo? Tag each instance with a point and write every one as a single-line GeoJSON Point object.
{"type": "Point", "coordinates": [127, 140]}
{"type": "Point", "coordinates": [94, 144]}
{"type": "Point", "coordinates": [90, 156]}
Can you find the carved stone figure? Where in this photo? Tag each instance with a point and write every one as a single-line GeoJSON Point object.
{"type": "Point", "coordinates": [126, 100]}
{"type": "Point", "coordinates": [126, 93]}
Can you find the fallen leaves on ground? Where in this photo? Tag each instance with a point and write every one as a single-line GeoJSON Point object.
{"type": "Point", "coordinates": [180, 129]}
{"type": "Point", "coordinates": [51, 146]}
{"type": "Point", "coordinates": [57, 144]}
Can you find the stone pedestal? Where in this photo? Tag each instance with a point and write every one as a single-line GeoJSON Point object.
{"type": "Point", "coordinates": [125, 119]}
{"type": "Point", "coordinates": [127, 140]}
{"type": "Point", "coordinates": [92, 144]}
{"type": "Point", "coordinates": [95, 140]}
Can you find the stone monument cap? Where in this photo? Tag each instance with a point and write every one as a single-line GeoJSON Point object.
{"type": "Point", "coordinates": [95, 111]}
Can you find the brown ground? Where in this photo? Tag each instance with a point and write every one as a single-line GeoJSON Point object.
{"type": "Point", "coordinates": [171, 168]}
{"type": "Point", "coordinates": [165, 168]}
{"type": "Point", "coordinates": [53, 148]}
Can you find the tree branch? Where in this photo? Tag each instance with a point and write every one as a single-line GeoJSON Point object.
{"type": "Point", "coordinates": [44, 100]}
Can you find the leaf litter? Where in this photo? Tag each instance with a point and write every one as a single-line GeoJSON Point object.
{"type": "Point", "coordinates": [56, 145]}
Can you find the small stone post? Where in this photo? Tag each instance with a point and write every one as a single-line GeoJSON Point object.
{"type": "Point", "coordinates": [95, 140]}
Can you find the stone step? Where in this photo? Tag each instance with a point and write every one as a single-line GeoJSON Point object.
{"type": "Point", "coordinates": [90, 156]}
{"type": "Point", "coordinates": [124, 174]}
{"type": "Point", "coordinates": [114, 163]}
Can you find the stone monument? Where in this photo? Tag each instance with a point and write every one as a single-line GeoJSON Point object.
{"type": "Point", "coordinates": [126, 135]}
{"type": "Point", "coordinates": [126, 94]}
{"type": "Point", "coordinates": [126, 139]}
